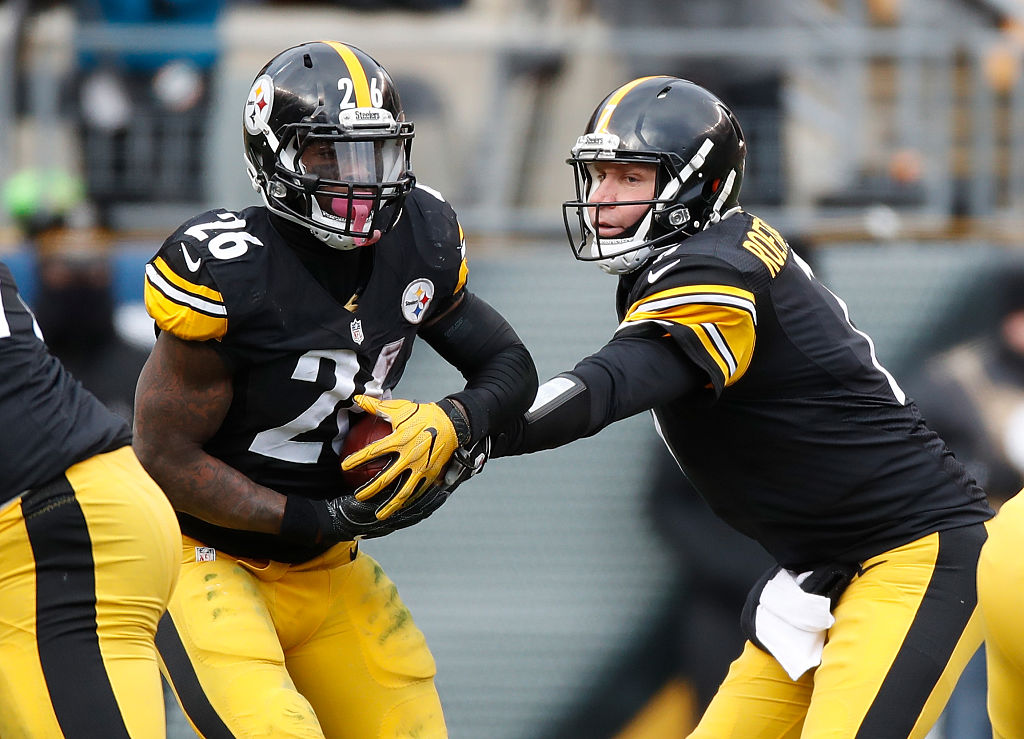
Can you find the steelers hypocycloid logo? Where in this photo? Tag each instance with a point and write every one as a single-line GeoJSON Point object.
{"type": "Point", "coordinates": [416, 298]}
{"type": "Point", "coordinates": [259, 105]}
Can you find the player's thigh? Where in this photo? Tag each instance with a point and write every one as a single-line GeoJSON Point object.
{"type": "Point", "coordinates": [1001, 600]}
{"type": "Point", "coordinates": [368, 670]}
{"type": "Point", "coordinates": [757, 700]}
{"type": "Point", "coordinates": [87, 567]}
{"type": "Point", "coordinates": [905, 629]}
{"type": "Point", "coordinates": [220, 652]}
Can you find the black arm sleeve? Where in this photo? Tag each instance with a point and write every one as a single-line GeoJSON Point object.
{"type": "Point", "coordinates": [628, 375]}
{"type": "Point", "coordinates": [501, 378]}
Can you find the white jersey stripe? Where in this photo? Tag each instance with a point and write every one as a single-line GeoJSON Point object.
{"type": "Point", "coordinates": [180, 296]}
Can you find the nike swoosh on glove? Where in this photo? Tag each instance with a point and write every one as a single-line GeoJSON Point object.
{"type": "Point", "coordinates": [421, 443]}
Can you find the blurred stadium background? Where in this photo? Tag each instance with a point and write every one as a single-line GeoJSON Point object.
{"type": "Point", "coordinates": [885, 138]}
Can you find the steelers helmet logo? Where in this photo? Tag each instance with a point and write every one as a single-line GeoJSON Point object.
{"type": "Point", "coordinates": [416, 298]}
{"type": "Point", "coordinates": [258, 105]}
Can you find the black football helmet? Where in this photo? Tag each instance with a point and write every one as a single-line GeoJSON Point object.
{"type": "Point", "coordinates": [327, 144]}
{"type": "Point", "coordinates": [696, 144]}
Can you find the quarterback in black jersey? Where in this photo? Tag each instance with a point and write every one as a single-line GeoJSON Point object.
{"type": "Point", "coordinates": [777, 409]}
{"type": "Point", "coordinates": [279, 325]}
{"type": "Point", "coordinates": [88, 552]}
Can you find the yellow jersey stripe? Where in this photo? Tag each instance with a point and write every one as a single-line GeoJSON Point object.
{"type": "Point", "coordinates": [727, 333]}
{"type": "Point", "coordinates": [701, 332]}
{"type": "Point", "coordinates": [718, 294]}
{"type": "Point", "coordinates": [464, 266]}
{"type": "Point", "coordinates": [356, 72]}
{"type": "Point", "coordinates": [613, 101]}
{"type": "Point", "coordinates": [182, 320]}
{"type": "Point", "coordinates": [200, 291]}
{"type": "Point", "coordinates": [722, 317]}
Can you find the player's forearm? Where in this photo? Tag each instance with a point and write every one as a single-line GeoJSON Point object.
{"type": "Point", "coordinates": [183, 396]}
{"type": "Point", "coordinates": [627, 376]}
{"type": "Point", "coordinates": [205, 487]}
{"type": "Point", "coordinates": [501, 378]}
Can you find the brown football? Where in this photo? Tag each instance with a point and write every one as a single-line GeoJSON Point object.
{"type": "Point", "coordinates": [365, 429]}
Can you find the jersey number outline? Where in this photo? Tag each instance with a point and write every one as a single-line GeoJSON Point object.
{"type": "Point", "coordinates": [229, 243]}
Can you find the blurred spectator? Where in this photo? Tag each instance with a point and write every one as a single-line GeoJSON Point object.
{"type": "Point", "coordinates": [143, 105]}
{"type": "Point", "coordinates": [74, 301]}
{"type": "Point", "coordinates": [378, 5]}
{"type": "Point", "coordinates": [973, 396]}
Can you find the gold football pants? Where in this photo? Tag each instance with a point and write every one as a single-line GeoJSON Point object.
{"type": "Point", "coordinates": [905, 629]}
{"type": "Point", "coordinates": [87, 566]}
{"type": "Point", "coordinates": [1001, 597]}
{"type": "Point", "coordinates": [320, 649]}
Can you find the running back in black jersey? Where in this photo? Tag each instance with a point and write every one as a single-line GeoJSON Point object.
{"type": "Point", "coordinates": [48, 421]}
{"type": "Point", "coordinates": [802, 440]}
{"type": "Point", "coordinates": [298, 352]}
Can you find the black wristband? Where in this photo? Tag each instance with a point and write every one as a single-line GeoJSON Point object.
{"type": "Point", "coordinates": [300, 523]}
{"type": "Point", "coordinates": [463, 432]}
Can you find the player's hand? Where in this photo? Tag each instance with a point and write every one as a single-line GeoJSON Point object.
{"type": "Point", "coordinates": [351, 513]}
{"type": "Point", "coordinates": [421, 445]}
{"type": "Point", "coordinates": [344, 518]}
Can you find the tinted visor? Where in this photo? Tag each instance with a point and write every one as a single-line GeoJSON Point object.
{"type": "Point", "coordinates": [369, 162]}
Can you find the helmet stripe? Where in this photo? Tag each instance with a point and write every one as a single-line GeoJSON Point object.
{"type": "Point", "coordinates": [613, 101]}
{"type": "Point", "coordinates": [356, 72]}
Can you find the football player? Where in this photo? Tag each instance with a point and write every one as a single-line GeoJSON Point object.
{"type": "Point", "coordinates": [88, 552]}
{"type": "Point", "coordinates": [270, 320]}
{"type": "Point", "coordinates": [775, 406]}
{"type": "Point", "coordinates": [1000, 585]}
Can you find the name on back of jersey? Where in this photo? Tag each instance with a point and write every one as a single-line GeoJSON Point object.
{"type": "Point", "coordinates": [767, 244]}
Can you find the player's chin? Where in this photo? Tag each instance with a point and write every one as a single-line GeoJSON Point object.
{"type": "Point", "coordinates": [609, 232]}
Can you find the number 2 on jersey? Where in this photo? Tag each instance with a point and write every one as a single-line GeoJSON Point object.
{"type": "Point", "coordinates": [280, 442]}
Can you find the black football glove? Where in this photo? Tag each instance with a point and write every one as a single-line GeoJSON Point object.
{"type": "Point", "coordinates": [346, 518]}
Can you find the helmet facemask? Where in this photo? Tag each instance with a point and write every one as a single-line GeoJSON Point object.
{"type": "Point", "coordinates": [654, 229]}
{"type": "Point", "coordinates": [694, 142]}
{"type": "Point", "coordinates": [344, 183]}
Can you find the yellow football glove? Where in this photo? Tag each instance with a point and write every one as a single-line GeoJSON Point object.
{"type": "Point", "coordinates": [423, 441]}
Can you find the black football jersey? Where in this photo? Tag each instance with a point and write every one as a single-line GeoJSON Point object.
{"type": "Point", "coordinates": [802, 439]}
{"type": "Point", "coordinates": [298, 352]}
{"type": "Point", "coordinates": [48, 421]}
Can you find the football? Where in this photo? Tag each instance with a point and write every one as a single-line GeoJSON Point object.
{"type": "Point", "coordinates": [365, 429]}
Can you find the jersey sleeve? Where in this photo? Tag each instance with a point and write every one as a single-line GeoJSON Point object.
{"type": "Point", "coordinates": [463, 264]}
{"type": "Point", "coordinates": [181, 294]}
{"type": "Point", "coordinates": [706, 309]}
{"type": "Point", "coordinates": [441, 240]}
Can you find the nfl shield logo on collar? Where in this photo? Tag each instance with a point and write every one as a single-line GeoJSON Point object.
{"type": "Point", "coordinates": [357, 331]}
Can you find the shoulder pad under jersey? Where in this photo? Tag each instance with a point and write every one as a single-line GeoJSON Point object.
{"type": "Point", "coordinates": [701, 301]}
{"type": "Point", "coordinates": [181, 291]}
{"type": "Point", "coordinates": [439, 235]}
